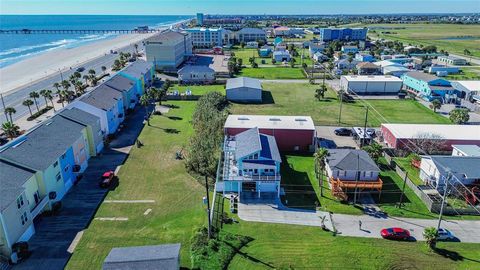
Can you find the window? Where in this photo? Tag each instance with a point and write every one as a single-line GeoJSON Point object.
{"type": "Point", "coordinates": [66, 168]}
{"type": "Point", "coordinates": [24, 218]}
{"type": "Point", "coordinates": [20, 201]}
{"type": "Point", "coordinates": [55, 164]}
{"type": "Point", "coordinates": [58, 177]}
{"type": "Point", "coordinates": [63, 156]}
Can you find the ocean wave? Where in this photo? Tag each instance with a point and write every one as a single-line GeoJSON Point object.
{"type": "Point", "coordinates": [39, 46]}
{"type": "Point", "coordinates": [13, 59]}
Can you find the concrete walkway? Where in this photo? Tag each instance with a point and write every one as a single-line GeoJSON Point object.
{"type": "Point", "coordinates": [51, 245]}
{"type": "Point", "coordinates": [347, 225]}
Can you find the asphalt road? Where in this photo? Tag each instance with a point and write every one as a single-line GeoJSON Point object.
{"type": "Point", "coordinates": [15, 98]}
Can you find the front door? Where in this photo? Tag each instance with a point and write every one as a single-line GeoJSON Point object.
{"type": "Point", "coordinates": [249, 187]}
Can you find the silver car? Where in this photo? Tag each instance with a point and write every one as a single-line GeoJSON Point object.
{"type": "Point", "coordinates": [445, 235]}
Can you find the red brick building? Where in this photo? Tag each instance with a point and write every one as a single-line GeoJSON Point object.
{"type": "Point", "coordinates": [292, 133]}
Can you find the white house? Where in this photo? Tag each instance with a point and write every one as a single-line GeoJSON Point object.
{"type": "Point", "coordinates": [466, 150]}
{"type": "Point", "coordinates": [434, 170]}
{"type": "Point", "coordinates": [371, 84]}
{"type": "Point", "coordinates": [252, 45]}
{"type": "Point", "coordinates": [196, 74]}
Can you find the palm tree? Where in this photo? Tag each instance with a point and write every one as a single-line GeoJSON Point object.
{"type": "Point", "coordinates": [10, 111]}
{"type": "Point", "coordinates": [374, 150]}
{"type": "Point", "coordinates": [436, 104]}
{"type": "Point", "coordinates": [44, 94]}
{"type": "Point", "coordinates": [49, 96]}
{"type": "Point", "coordinates": [91, 72]}
{"type": "Point", "coordinates": [78, 87]}
{"type": "Point", "coordinates": [64, 96]}
{"type": "Point", "coordinates": [320, 92]}
{"type": "Point", "coordinates": [57, 86]}
{"type": "Point", "coordinates": [319, 158]}
{"type": "Point", "coordinates": [65, 84]}
{"type": "Point", "coordinates": [430, 235]}
{"type": "Point", "coordinates": [104, 68]}
{"type": "Point", "coordinates": [145, 102]}
{"type": "Point", "coordinates": [35, 95]}
{"type": "Point", "coordinates": [28, 103]}
{"type": "Point", "coordinates": [77, 75]}
{"type": "Point", "coordinates": [86, 78]}
{"type": "Point", "coordinates": [10, 129]}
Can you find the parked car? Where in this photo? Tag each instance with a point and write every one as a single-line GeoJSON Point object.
{"type": "Point", "coordinates": [80, 69]}
{"type": "Point", "coordinates": [107, 179]}
{"type": "Point", "coordinates": [395, 233]}
{"type": "Point", "coordinates": [343, 132]}
{"type": "Point", "coordinates": [461, 107]}
{"type": "Point", "coordinates": [371, 132]}
{"type": "Point", "coordinates": [445, 235]}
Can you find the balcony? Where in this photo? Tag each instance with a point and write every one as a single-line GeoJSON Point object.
{"type": "Point", "coordinates": [247, 178]}
{"type": "Point", "coordinates": [39, 207]}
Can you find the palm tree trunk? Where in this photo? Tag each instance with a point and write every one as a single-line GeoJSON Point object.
{"type": "Point", "coordinates": [11, 118]}
{"type": "Point", "coordinates": [36, 104]}
{"type": "Point", "coordinates": [46, 102]}
{"type": "Point", "coordinates": [30, 110]}
{"type": "Point", "coordinates": [53, 105]}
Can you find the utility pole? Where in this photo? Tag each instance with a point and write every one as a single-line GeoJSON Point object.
{"type": "Point", "coordinates": [3, 104]}
{"type": "Point", "coordinates": [403, 190]}
{"type": "Point", "coordinates": [362, 142]}
{"type": "Point", "coordinates": [208, 209]}
{"type": "Point", "coordinates": [449, 175]}
{"type": "Point", "coordinates": [341, 102]}
{"type": "Point", "coordinates": [357, 177]}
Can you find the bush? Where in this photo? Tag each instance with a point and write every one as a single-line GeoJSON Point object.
{"type": "Point", "coordinates": [37, 114]}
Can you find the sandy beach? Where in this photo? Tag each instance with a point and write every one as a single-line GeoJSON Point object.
{"type": "Point", "coordinates": [32, 69]}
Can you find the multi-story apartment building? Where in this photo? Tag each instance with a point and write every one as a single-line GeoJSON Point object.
{"type": "Point", "coordinates": [345, 34]}
{"type": "Point", "coordinates": [208, 37]}
{"type": "Point", "coordinates": [168, 50]}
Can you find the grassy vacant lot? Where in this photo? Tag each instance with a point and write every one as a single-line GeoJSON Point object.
{"type": "Point", "coordinates": [152, 172]}
{"type": "Point", "coordinates": [272, 73]}
{"type": "Point", "coordinates": [450, 37]}
{"type": "Point", "coordinates": [298, 99]}
{"type": "Point", "coordinates": [466, 74]}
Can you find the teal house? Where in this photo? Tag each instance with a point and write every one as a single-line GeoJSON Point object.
{"type": "Point", "coordinates": [141, 72]}
{"type": "Point", "coordinates": [429, 87]}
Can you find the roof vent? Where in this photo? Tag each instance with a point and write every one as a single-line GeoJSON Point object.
{"type": "Point", "coordinates": [301, 119]}
{"type": "Point", "coordinates": [243, 118]}
{"type": "Point", "coordinates": [275, 119]}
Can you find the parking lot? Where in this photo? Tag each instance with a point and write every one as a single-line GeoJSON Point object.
{"type": "Point", "coordinates": [327, 138]}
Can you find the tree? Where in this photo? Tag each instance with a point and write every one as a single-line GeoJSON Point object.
{"type": "Point", "coordinates": [274, 61]}
{"type": "Point", "coordinates": [91, 72]}
{"type": "Point", "coordinates": [459, 116]}
{"type": "Point", "coordinates": [292, 62]}
{"type": "Point", "coordinates": [28, 103]}
{"type": "Point", "coordinates": [104, 68]}
{"type": "Point", "coordinates": [35, 95]}
{"type": "Point", "coordinates": [10, 111]}
{"type": "Point", "coordinates": [430, 234]}
{"type": "Point", "coordinates": [467, 52]}
{"type": "Point", "coordinates": [319, 159]}
{"type": "Point", "coordinates": [57, 86]}
{"type": "Point", "coordinates": [10, 129]}
{"type": "Point", "coordinates": [427, 143]}
{"type": "Point", "coordinates": [320, 92]}
{"type": "Point", "coordinates": [374, 150]}
{"type": "Point", "coordinates": [145, 102]}
{"type": "Point", "coordinates": [44, 93]}
{"type": "Point", "coordinates": [65, 84]}
{"type": "Point", "coordinates": [242, 44]}
{"type": "Point", "coordinates": [436, 104]}
{"type": "Point", "coordinates": [49, 95]}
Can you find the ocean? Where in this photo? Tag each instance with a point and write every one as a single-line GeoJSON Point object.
{"type": "Point", "coordinates": [16, 47]}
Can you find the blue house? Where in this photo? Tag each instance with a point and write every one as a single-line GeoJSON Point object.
{"type": "Point", "coordinates": [265, 51]}
{"type": "Point", "coordinates": [429, 87]}
{"type": "Point", "coordinates": [57, 150]}
{"type": "Point", "coordinates": [281, 56]}
{"type": "Point", "coordinates": [106, 103]}
{"type": "Point", "coordinates": [127, 87]}
{"type": "Point", "coordinates": [251, 165]}
{"type": "Point", "coordinates": [364, 57]}
{"type": "Point", "coordinates": [141, 72]}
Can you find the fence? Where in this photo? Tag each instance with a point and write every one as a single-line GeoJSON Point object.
{"type": "Point", "coordinates": [433, 205]}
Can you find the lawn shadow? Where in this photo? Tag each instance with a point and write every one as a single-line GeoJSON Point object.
{"type": "Point", "coordinates": [167, 130]}
{"type": "Point", "coordinates": [247, 256]}
{"type": "Point", "coordinates": [175, 118]}
{"type": "Point", "coordinates": [299, 192]}
{"type": "Point", "coordinates": [171, 106]}
{"type": "Point", "coordinates": [452, 255]}
{"type": "Point", "coordinates": [391, 193]}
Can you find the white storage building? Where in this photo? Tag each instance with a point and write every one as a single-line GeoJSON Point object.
{"type": "Point", "coordinates": [244, 89]}
{"type": "Point", "coordinates": [371, 85]}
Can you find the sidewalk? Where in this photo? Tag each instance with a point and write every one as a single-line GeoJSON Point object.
{"type": "Point", "coordinates": [55, 234]}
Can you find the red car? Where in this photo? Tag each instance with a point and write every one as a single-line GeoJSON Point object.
{"type": "Point", "coordinates": [395, 234]}
{"type": "Point", "coordinates": [107, 179]}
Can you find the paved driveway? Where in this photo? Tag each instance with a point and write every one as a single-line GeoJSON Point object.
{"type": "Point", "coordinates": [347, 225]}
{"type": "Point", "coordinates": [55, 234]}
{"type": "Point", "coordinates": [330, 140]}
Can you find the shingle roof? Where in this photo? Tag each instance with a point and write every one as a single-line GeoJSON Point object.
{"type": "Point", "coordinates": [351, 160]}
{"type": "Point", "coordinates": [103, 97]}
{"type": "Point", "coordinates": [42, 146]}
{"type": "Point", "coordinates": [243, 82]}
{"type": "Point", "coordinates": [247, 143]}
{"type": "Point", "coordinates": [163, 257]}
{"type": "Point", "coordinates": [120, 83]}
{"type": "Point", "coordinates": [195, 68]}
{"type": "Point", "coordinates": [138, 68]}
{"type": "Point", "coordinates": [11, 185]}
{"type": "Point", "coordinates": [468, 166]}
{"type": "Point", "coordinates": [80, 116]}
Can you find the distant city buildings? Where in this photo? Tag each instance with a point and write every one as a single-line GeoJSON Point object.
{"type": "Point", "coordinates": [199, 19]}
{"type": "Point", "coordinates": [343, 34]}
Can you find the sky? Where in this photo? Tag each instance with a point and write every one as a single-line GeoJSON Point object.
{"type": "Point", "coordinates": [190, 7]}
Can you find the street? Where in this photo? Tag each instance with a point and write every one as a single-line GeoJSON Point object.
{"type": "Point", "coordinates": [15, 99]}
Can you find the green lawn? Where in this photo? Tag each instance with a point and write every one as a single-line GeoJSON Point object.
{"type": "Point", "coordinates": [445, 36]}
{"type": "Point", "coordinates": [466, 74]}
{"type": "Point", "coordinates": [198, 90]}
{"type": "Point", "coordinates": [152, 172]}
{"type": "Point", "coordinates": [298, 99]}
{"type": "Point", "coordinates": [413, 172]}
{"type": "Point", "coordinates": [272, 73]}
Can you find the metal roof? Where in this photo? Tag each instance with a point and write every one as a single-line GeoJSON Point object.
{"type": "Point", "coordinates": [447, 132]}
{"type": "Point", "coordinates": [468, 150]}
{"type": "Point", "coordinates": [422, 76]}
{"type": "Point", "coordinates": [42, 146]}
{"type": "Point", "coordinates": [13, 179]}
{"type": "Point", "coordinates": [195, 68]}
{"type": "Point", "coordinates": [270, 122]}
{"type": "Point", "coordinates": [169, 37]}
{"type": "Point", "coordinates": [243, 82]}
{"type": "Point", "coordinates": [372, 78]}
{"type": "Point", "coordinates": [165, 257]}
{"type": "Point", "coordinates": [468, 166]}
{"type": "Point", "coordinates": [247, 143]}
{"type": "Point", "coordinates": [351, 160]}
